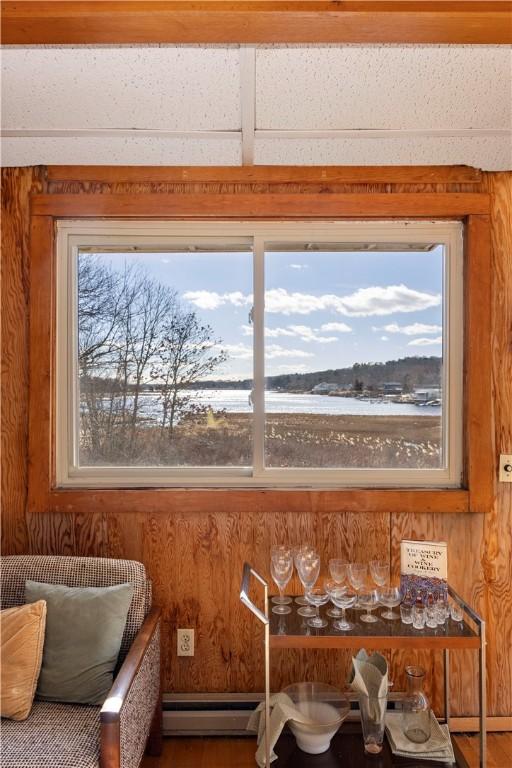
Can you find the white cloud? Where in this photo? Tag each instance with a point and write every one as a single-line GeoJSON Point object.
{"type": "Point", "coordinates": [410, 330]}
{"type": "Point", "coordinates": [377, 300]}
{"type": "Point", "coordinates": [214, 300]}
{"type": "Point", "coordinates": [275, 350]}
{"type": "Point", "coordinates": [425, 342]}
{"type": "Point", "coordinates": [337, 327]}
{"type": "Point", "coordinates": [299, 266]}
{"type": "Point", "coordinates": [384, 338]}
{"type": "Point", "coordinates": [305, 333]}
{"type": "Point", "coordinates": [302, 332]}
{"type": "Point", "coordinates": [386, 300]}
{"type": "Point", "coordinates": [237, 351]}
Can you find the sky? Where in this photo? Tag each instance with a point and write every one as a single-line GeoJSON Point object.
{"type": "Point", "coordinates": [322, 309]}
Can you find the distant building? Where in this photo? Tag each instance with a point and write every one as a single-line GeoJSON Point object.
{"type": "Point", "coordinates": [393, 388]}
{"type": "Point", "coordinates": [324, 388]}
{"type": "Point", "coordinates": [426, 394]}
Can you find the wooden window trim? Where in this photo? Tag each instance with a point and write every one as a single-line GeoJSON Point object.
{"type": "Point", "coordinates": [245, 21]}
{"type": "Point", "coordinates": [479, 482]}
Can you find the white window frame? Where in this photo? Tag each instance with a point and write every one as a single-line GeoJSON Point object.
{"type": "Point", "coordinates": [75, 234]}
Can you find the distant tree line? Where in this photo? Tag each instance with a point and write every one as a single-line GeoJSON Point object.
{"type": "Point", "coordinates": [410, 372]}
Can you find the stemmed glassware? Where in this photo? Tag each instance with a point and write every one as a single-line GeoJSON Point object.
{"type": "Point", "coordinates": [357, 573]}
{"type": "Point", "coordinates": [308, 568]}
{"type": "Point", "coordinates": [343, 598]}
{"type": "Point", "coordinates": [296, 551]}
{"type": "Point", "coordinates": [390, 597]}
{"type": "Point", "coordinates": [338, 571]}
{"type": "Point", "coordinates": [281, 566]}
{"type": "Point", "coordinates": [280, 551]}
{"type": "Point", "coordinates": [379, 570]}
{"type": "Point", "coordinates": [317, 596]}
{"type": "Point", "coordinates": [368, 600]}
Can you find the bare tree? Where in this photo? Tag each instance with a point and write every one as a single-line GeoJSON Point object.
{"type": "Point", "coordinates": [133, 331]}
{"type": "Point", "coordinates": [187, 354]}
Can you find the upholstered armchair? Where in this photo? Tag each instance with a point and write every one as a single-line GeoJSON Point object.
{"type": "Point", "coordinates": [130, 720]}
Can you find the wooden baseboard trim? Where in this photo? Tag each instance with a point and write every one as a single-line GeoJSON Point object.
{"type": "Point", "coordinates": [472, 724]}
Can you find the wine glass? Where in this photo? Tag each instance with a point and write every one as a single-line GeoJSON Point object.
{"type": "Point", "coordinates": [278, 551]}
{"type": "Point", "coordinates": [308, 568]}
{"type": "Point", "coordinates": [317, 597]}
{"type": "Point", "coordinates": [343, 598]}
{"type": "Point", "coordinates": [281, 567]}
{"type": "Point", "coordinates": [368, 600]}
{"type": "Point", "coordinates": [338, 570]}
{"type": "Point", "coordinates": [357, 573]}
{"type": "Point", "coordinates": [296, 551]}
{"type": "Point", "coordinates": [330, 587]}
{"type": "Point", "coordinates": [379, 570]}
{"type": "Point", "coordinates": [390, 597]}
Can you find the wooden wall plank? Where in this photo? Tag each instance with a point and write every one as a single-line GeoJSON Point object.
{"type": "Point", "coordinates": [17, 184]}
{"type": "Point", "coordinates": [268, 206]}
{"type": "Point", "coordinates": [306, 21]}
{"type": "Point", "coordinates": [268, 174]}
{"type": "Point", "coordinates": [194, 555]}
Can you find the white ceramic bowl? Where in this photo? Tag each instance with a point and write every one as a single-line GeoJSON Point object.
{"type": "Point", "coordinates": [326, 706]}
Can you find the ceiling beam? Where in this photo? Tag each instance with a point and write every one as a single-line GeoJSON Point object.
{"type": "Point", "coordinates": [25, 22]}
{"type": "Point", "coordinates": [269, 174]}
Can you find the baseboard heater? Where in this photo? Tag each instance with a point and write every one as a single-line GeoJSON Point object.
{"type": "Point", "coordinates": [212, 714]}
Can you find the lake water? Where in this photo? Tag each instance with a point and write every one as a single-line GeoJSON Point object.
{"type": "Point", "coordinates": [237, 401]}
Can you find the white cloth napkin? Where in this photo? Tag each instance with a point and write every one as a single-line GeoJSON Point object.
{"type": "Point", "coordinates": [370, 678]}
{"type": "Point", "coordinates": [282, 709]}
{"type": "Point", "coordinates": [438, 747]}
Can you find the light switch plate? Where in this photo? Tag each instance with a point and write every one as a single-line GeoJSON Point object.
{"type": "Point", "coordinates": [185, 642]}
{"type": "Point", "coordinates": [506, 468]}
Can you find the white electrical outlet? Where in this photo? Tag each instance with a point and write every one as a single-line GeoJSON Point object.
{"type": "Point", "coordinates": [505, 468]}
{"type": "Point", "coordinates": [185, 642]}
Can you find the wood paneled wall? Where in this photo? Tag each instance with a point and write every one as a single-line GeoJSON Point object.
{"type": "Point", "coordinates": [195, 558]}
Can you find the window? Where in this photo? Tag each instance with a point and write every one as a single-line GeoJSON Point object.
{"type": "Point", "coordinates": [251, 354]}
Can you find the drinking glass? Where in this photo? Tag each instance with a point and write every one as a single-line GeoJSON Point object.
{"type": "Point", "coordinates": [456, 612]}
{"type": "Point", "coordinates": [331, 586]}
{"type": "Point", "coordinates": [418, 616]}
{"type": "Point", "coordinates": [390, 597]}
{"type": "Point", "coordinates": [278, 551]}
{"type": "Point", "coordinates": [281, 567]}
{"type": "Point", "coordinates": [379, 570]}
{"type": "Point", "coordinates": [406, 613]}
{"type": "Point", "coordinates": [317, 597]}
{"type": "Point", "coordinates": [373, 714]}
{"type": "Point", "coordinates": [296, 551]}
{"type": "Point", "coordinates": [357, 573]}
{"type": "Point", "coordinates": [368, 600]}
{"type": "Point", "coordinates": [343, 598]}
{"type": "Point", "coordinates": [308, 568]}
{"type": "Point", "coordinates": [338, 570]}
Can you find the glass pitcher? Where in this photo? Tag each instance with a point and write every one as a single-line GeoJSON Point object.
{"type": "Point", "coordinates": [416, 707]}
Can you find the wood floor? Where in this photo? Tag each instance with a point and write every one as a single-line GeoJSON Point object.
{"type": "Point", "coordinates": [239, 752]}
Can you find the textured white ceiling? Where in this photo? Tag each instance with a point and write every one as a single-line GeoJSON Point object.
{"type": "Point", "coordinates": [383, 87]}
{"type": "Point", "coordinates": [147, 105]}
{"type": "Point", "coordinates": [112, 150]}
{"type": "Point", "coordinates": [489, 152]}
{"type": "Point", "coordinates": [175, 88]}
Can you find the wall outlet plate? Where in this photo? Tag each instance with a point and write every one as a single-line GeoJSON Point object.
{"type": "Point", "coordinates": [185, 642]}
{"type": "Point", "coordinates": [505, 468]}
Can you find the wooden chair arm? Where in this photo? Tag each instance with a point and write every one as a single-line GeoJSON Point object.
{"type": "Point", "coordinates": [110, 714]}
{"type": "Point", "coordinates": [111, 709]}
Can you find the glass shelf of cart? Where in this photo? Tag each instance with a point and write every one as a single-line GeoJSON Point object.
{"type": "Point", "coordinates": [292, 630]}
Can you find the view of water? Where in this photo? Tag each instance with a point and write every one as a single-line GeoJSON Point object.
{"type": "Point", "coordinates": [237, 401]}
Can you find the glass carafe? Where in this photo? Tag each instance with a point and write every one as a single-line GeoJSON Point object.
{"type": "Point", "coordinates": [416, 707]}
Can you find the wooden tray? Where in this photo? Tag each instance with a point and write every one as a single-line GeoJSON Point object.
{"type": "Point", "coordinates": [347, 751]}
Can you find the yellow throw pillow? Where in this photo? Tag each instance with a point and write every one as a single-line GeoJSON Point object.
{"type": "Point", "coordinates": [22, 639]}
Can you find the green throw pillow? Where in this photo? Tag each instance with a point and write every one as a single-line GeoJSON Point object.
{"type": "Point", "coordinates": [84, 629]}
